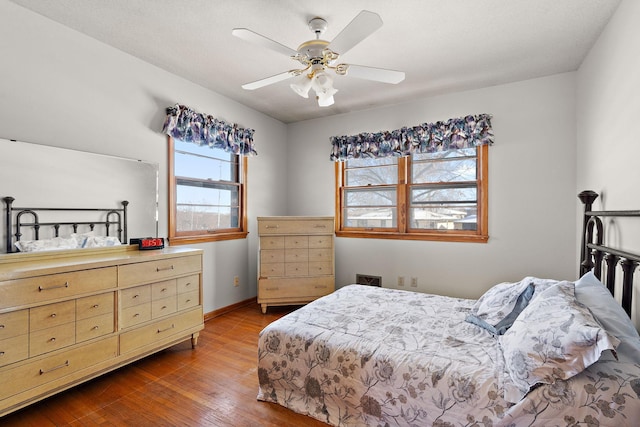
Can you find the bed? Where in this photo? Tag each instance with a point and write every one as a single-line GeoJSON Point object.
{"type": "Point", "coordinates": [537, 352]}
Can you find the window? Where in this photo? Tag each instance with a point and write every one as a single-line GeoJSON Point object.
{"type": "Point", "coordinates": [431, 196]}
{"type": "Point", "coordinates": [207, 193]}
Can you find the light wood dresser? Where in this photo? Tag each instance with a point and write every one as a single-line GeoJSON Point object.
{"type": "Point", "coordinates": [69, 316]}
{"type": "Point", "coordinates": [295, 259]}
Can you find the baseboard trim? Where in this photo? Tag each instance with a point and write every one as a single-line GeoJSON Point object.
{"type": "Point", "coordinates": [224, 310]}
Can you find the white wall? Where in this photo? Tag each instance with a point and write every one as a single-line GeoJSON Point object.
{"type": "Point", "coordinates": [532, 189]}
{"type": "Point", "coordinates": [608, 110]}
{"type": "Point", "coordinates": [61, 88]}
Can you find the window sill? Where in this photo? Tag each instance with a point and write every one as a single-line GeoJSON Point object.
{"type": "Point", "coordinates": [190, 240]}
{"type": "Point", "coordinates": [439, 237]}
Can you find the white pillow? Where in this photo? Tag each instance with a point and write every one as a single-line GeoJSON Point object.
{"type": "Point", "coordinates": [555, 338]}
{"type": "Point", "coordinates": [592, 293]}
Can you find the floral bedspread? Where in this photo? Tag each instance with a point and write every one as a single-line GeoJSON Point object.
{"type": "Point", "coordinates": [367, 356]}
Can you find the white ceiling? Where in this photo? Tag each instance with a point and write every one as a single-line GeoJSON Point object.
{"type": "Point", "coordinates": [442, 46]}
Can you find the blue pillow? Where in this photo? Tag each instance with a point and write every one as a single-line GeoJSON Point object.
{"type": "Point", "coordinates": [503, 325]}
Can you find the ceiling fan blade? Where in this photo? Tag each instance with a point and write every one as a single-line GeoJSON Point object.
{"type": "Point", "coordinates": [376, 74]}
{"type": "Point", "coordinates": [362, 26]}
{"type": "Point", "coordinates": [269, 80]}
{"type": "Point", "coordinates": [260, 40]}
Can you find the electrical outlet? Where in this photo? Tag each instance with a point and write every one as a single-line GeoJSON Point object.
{"type": "Point", "coordinates": [400, 280]}
{"type": "Point", "coordinates": [236, 281]}
{"type": "Point", "coordinates": [414, 282]}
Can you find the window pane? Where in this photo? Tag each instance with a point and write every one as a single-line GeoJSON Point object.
{"type": "Point", "coordinates": [444, 171]}
{"type": "Point", "coordinates": [445, 217]}
{"type": "Point", "coordinates": [214, 164]}
{"type": "Point", "coordinates": [206, 206]}
{"type": "Point", "coordinates": [370, 217]}
{"type": "Point", "coordinates": [370, 197]}
{"type": "Point", "coordinates": [430, 195]}
{"type": "Point", "coordinates": [453, 154]}
{"type": "Point", "coordinates": [362, 172]}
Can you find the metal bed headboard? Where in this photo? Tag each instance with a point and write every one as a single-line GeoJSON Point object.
{"type": "Point", "coordinates": [594, 254]}
{"type": "Point", "coordinates": [112, 217]}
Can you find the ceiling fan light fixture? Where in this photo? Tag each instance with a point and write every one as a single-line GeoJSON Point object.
{"type": "Point", "coordinates": [325, 100]}
{"type": "Point", "coordinates": [302, 86]}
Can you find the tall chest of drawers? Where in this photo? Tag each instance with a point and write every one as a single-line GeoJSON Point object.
{"type": "Point", "coordinates": [69, 316]}
{"type": "Point", "coordinates": [295, 259]}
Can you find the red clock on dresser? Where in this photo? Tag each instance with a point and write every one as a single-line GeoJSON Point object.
{"type": "Point", "coordinates": [148, 242]}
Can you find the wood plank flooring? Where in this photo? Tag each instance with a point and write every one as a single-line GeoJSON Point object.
{"type": "Point", "coordinates": [214, 385]}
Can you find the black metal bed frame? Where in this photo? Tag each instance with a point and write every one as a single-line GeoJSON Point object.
{"type": "Point", "coordinates": [117, 217]}
{"type": "Point", "coordinates": [593, 252]}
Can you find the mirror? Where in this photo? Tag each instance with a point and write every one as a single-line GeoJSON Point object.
{"type": "Point", "coordinates": [41, 176]}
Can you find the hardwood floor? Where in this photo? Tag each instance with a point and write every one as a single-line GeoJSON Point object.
{"type": "Point", "coordinates": [214, 385]}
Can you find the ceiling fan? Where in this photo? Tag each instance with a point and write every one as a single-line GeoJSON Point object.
{"type": "Point", "coordinates": [318, 56]}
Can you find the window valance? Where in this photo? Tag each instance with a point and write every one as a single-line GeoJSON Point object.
{"type": "Point", "coordinates": [187, 125]}
{"type": "Point", "coordinates": [453, 134]}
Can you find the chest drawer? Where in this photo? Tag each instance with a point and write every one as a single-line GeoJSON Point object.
{"type": "Point", "coordinates": [135, 315]}
{"type": "Point", "coordinates": [14, 349]}
{"type": "Point", "coordinates": [272, 255]}
{"type": "Point", "coordinates": [296, 269]}
{"type": "Point", "coordinates": [271, 242]}
{"type": "Point", "coordinates": [56, 286]}
{"type": "Point", "coordinates": [155, 271]}
{"type": "Point", "coordinates": [296, 255]}
{"type": "Point", "coordinates": [164, 307]}
{"type": "Point", "coordinates": [51, 339]}
{"type": "Point", "coordinates": [321, 242]}
{"type": "Point", "coordinates": [39, 372]}
{"type": "Point", "coordinates": [14, 323]}
{"type": "Point", "coordinates": [299, 226]}
{"type": "Point", "coordinates": [320, 268]}
{"type": "Point", "coordinates": [94, 305]}
{"type": "Point", "coordinates": [188, 300]}
{"type": "Point", "coordinates": [163, 290]}
{"type": "Point", "coordinates": [94, 327]}
{"type": "Point", "coordinates": [188, 284]}
{"type": "Point", "coordinates": [50, 315]}
{"type": "Point", "coordinates": [325, 255]}
{"type": "Point", "coordinates": [271, 270]}
{"type": "Point", "coordinates": [135, 296]}
{"type": "Point", "coordinates": [296, 242]}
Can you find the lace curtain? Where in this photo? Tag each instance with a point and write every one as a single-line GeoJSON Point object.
{"type": "Point", "coordinates": [187, 125]}
{"type": "Point", "coordinates": [453, 134]}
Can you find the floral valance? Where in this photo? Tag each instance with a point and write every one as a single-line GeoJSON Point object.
{"type": "Point", "coordinates": [187, 125]}
{"type": "Point", "coordinates": [453, 134]}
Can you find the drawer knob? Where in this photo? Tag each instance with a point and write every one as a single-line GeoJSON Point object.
{"type": "Point", "coordinates": [272, 226]}
{"type": "Point", "coordinates": [66, 285]}
{"type": "Point", "coordinates": [188, 300]}
{"type": "Point", "coordinates": [53, 315]}
{"type": "Point", "coordinates": [319, 226]}
{"type": "Point", "coordinates": [158, 269]}
{"type": "Point", "coordinates": [53, 339]}
{"type": "Point", "coordinates": [1, 326]}
{"type": "Point", "coordinates": [95, 305]}
{"type": "Point", "coordinates": [64, 365]}
{"type": "Point", "coordinates": [136, 315]}
{"type": "Point", "coordinates": [164, 290]}
{"type": "Point", "coordinates": [273, 289]}
{"type": "Point", "coordinates": [164, 307]}
{"type": "Point", "coordinates": [136, 296]}
{"type": "Point", "coordinates": [1, 353]}
{"type": "Point", "coordinates": [95, 328]}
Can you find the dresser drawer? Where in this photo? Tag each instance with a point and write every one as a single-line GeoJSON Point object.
{"type": "Point", "coordinates": [188, 299]}
{"type": "Point", "coordinates": [272, 242]}
{"type": "Point", "coordinates": [39, 372]}
{"type": "Point", "coordinates": [14, 323]}
{"type": "Point", "coordinates": [159, 330]}
{"type": "Point", "coordinates": [296, 242]}
{"type": "Point", "coordinates": [269, 270]}
{"type": "Point", "coordinates": [50, 315]}
{"type": "Point", "coordinates": [14, 349]}
{"type": "Point", "coordinates": [325, 255]}
{"type": "Point", "coordinates": [155, 271]}
{"type": "Point", "coordinates": [135, 296]}
{"type": "Point", "coordinates": [94, 327]}
{"type": "Point", "coordinates": [272, 255]}
{"type": "Point", "coordinates": [297, 226]}
{"type": "Point", "coordinates": [321, 242]}
{"type": "Point", "coordinates": [296, 255]}
{"type": "Point", "coordinates": [188, 284]}
{"type": "Point", "coordinates": [296, 269]}
{"type": "Point", "coordinates": [135, 315]}
{"type": "Point", "coordinates": [51, 339]}
{"type": "Point", "coordinates": [303, 288]}
{"type": "Point", "coordinates": [94, 305]}
{"type": "Point", "coordinates": [320, 268]}
{"type": "Point", "coordinates": [56, 286]}
{"type": "Point", "coordinates": [164, 307]}
{"type": "Point", "coordinates": [162, 290]}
